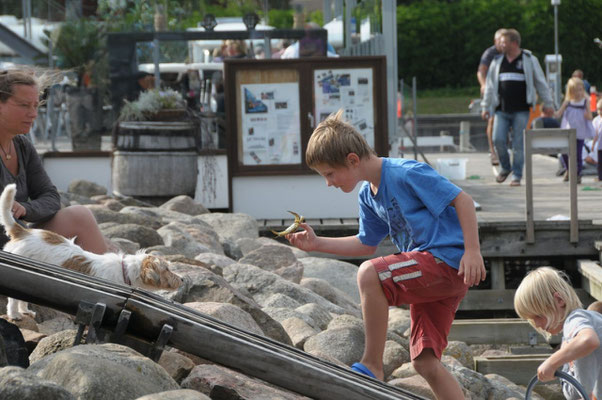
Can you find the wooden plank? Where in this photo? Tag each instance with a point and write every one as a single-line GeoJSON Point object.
{"type": "Point", "coordinates": [498, 278]}
{"type": "Point", "coordinates": [502, 299]}
{"type": "Point", "coordinates": [350, 221]}
{"type": "Point", "coordinates": [496, 331]}
{"type": "Point", "coordinates": [518, 369]}
{"type": "Point", "coordinates": [591, 281]}
{"type": "Point", "coordinates": [331, 221]}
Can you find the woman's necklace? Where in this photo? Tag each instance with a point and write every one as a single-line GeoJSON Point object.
{"type": "Point", "coordinates": [8, 155]}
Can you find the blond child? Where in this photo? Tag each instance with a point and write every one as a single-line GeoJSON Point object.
{"type": "Point", "coordinates": [546, 299]}
{"type": "Point", "coordinates": [575, 113]}
{"type": "Point", "coordinates": [433, 224]}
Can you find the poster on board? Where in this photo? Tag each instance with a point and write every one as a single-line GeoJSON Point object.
{"type": "Point", "coordinates": [348, 89]}
{"type": "Point", "coordinates": [271, 132]}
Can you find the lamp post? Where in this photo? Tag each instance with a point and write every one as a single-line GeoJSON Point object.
{"type": "Point", "coordinates": [556, 3]}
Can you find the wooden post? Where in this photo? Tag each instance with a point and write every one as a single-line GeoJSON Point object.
{"type": "Point", "coordinates": [574, 233]}
{"type": "Point", "coordinates": [530, 234]}
{"type": "Point", "coordinates": [498, 280]}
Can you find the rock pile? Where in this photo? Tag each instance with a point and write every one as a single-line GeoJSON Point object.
{"type": "Point", "coordinates": [251, 282]}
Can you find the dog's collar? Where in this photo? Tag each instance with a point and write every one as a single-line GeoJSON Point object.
{"type": "Point", "coordinates": [126, 279]}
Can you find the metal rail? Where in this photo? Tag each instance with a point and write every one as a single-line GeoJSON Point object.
{"type": "Point", "coordinates": [147, 322]}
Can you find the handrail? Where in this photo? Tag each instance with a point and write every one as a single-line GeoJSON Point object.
{"type": "Point", "coordinates": [193, 332]}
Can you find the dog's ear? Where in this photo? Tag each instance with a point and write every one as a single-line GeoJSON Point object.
{"type": "Point", "coordinates": [148, 271]}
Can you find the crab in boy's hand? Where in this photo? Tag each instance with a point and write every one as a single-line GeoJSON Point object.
{"type": "Point", "coordinates": [299, 219]}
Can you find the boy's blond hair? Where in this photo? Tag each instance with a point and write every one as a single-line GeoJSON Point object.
{"type": "Point", "coordinates": [535, 297]}
{"type": "Point", "coordinates": [333, 140]}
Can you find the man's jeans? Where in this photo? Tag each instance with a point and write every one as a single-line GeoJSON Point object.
{"type": "Point", "coordinates": [501, 126]}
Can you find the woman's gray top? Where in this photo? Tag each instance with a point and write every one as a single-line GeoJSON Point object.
{"type": "Point", "coordinates": [35, 191]}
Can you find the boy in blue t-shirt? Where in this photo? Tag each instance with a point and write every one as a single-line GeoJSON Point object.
{"type": "Point", "coordinates": [433, 224]}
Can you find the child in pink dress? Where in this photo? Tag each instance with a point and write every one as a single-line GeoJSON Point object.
{"type": "Point", "coordinates": [576, 114]}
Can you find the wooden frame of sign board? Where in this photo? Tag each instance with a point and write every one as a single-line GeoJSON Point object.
{"type": "Point", "coordinates": [272, 108]}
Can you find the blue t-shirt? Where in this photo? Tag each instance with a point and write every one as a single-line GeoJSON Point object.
{"type": "Point", "coordinates": [412, 206]}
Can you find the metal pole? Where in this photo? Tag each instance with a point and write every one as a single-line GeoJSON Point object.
{"type": "Point", "coordinates": [415, 124]}
{"type": "Point", "coordinates": [558, 77]}
{"type": "Point", "coordinates": [156, 62]}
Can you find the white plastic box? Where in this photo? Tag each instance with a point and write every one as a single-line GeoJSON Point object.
{"type": "Point", "coordinates": [452, 168]}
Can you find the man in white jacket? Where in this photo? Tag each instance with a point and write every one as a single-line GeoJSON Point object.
{"type": "Point", "coordinates": [514, 80]}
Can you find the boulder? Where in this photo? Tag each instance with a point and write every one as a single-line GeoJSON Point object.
{"type": "Point", "coordinates": [222, 383]}
{"type": "Point", "coordinates": [461, 352]}
{"type": "Point", "coordinates": [232, 226]}
{"type": "Point", "coordinates": [104, 215]}
{"type": "Point", "coordinates": [105, 371]}
{"type": "Point", "coordinates": [340, 274]}
{"type": "Point", "coordinates": [299, 331]}
{"type": "Point", "coordinates": [263, 284]}
{"type": "Point", "coordinates": [184, 204]}
{"type": "Point", "coordinates": [178, 366]}
{"type": "Point", "coordinates": [329, 292]}
{"type": "Point", "coordinates": [229, 314]}
{"type": "Point", "coordinates": [177, 236]}
{"type": "Point", "coordinates": [343, 344]}
{"type": "Point", "coordinates": [395, 355]}
{"type": "Point", "coordinates": [180, 394]}
{"type": "Point", "coordinates": [51, 344]}
{"type": "Point", "coordinates": [86, 188]}
{"type": "Point", "coordinates": [20, 384]}
{"type": "Point", "coordinates": [145, 237]}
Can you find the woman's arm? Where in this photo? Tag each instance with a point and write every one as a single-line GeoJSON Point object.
{"type": "Point", "coordinates": [44, 200]}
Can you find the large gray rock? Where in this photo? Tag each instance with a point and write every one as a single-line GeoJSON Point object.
{"type": "Point", "coordinates": [502, 389]}
{"type": "Point", "coordinates": [472, 382]}
{"type": "Point", "coordinates": [395, 355]}
{"type": "Point", "coordinates": [340, 274]}
{"type": "Point", "coordinates": [106, 371]}
{"type": "Point", "coordinates": [179, 237]}
{"type": "Point", "coordinates": [247, 245]}
{"type": "Point", "coordinates": [184, 204]}
{"type": "Point", "coordinates": [277, 259]}
{"type": "Point", "coordinates": [299, 331]}
{"type": "Point", "coordinates": [104, 214]}
{"type": "Point", "coordinates": [86, 188]}
{"type": "Point", "coordinates": [316, 313]}
{"type": "Point", "coordinates": [329, 292]}
{"type": "Point", "coordinates": [53, 343]}
{"type": "Point", "coordinates": [221, 383]}
{"type": "Point", "coordinates": [177, 365]}
{"type": "Point", "coordinates": [19, 384]}
{"type": "Point", "coordinates": [399, 320]}
{"type": "Point", "coordinates": [232, 226]}
{"type": "Point", "coordinates": [145, 237]}
{"type": "Point", "coordinates": [461, 352]}
{"type": "Point", "coordinates": [343, 344]}
{"type": "Point", "coordinates": [202, 285]}
{"type": "Point", "coordinates": [279, 300]}
{"type": "Point", "coordinates": [229, 314]}
{"type": "Point", "coordinates": [180, 394]}
{"type": "Point", "coordinates": [263, 284]}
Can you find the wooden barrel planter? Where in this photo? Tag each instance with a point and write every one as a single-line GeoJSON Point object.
{"type": "Point", "coordinates": [154, 158]}
{"type": "Point", "coordinates": [155, 136]}
{"type": "Point", "coordinates": [154, 173]}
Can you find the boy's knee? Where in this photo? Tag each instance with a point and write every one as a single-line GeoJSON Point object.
{"type": "Point", "coordinates": [79, 215]}
{"type": "Point", "coordinates": [425, 363]}
{"type": "Point", "coordinates": [366, 274]}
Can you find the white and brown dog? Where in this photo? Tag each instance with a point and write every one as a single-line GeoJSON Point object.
{"type": "Point", "coordinates": [140, 269]}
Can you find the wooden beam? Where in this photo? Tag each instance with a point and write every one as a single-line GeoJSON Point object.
{"type": "Point", "coordinates": [502, 299]}
{"type": "Point", "coordinates": [496, 331]}
{"type": "Point", "coordinates": [591, 281]}
{"type": "Point", "coordinates": [519, 369]}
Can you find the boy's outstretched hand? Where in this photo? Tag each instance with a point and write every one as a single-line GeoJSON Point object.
{"type": "Point", "coordinates": [304, 240]}
{"type": "Point", "coordinates": [472, 267]}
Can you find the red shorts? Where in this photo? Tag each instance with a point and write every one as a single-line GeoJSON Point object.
{"type": "Point", "coordinates": [433, 290]}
